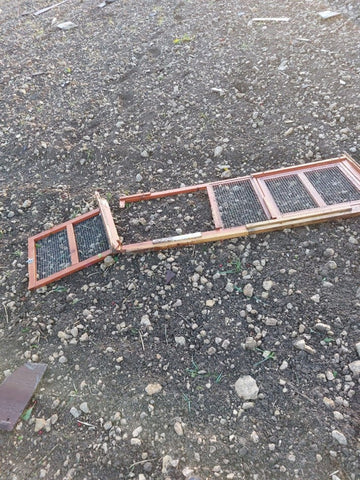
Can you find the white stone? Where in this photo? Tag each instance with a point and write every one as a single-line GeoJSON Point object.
{"type": "Point", "coordinates": [355, 367]}
{"type": "Point", "coordinates": [267, 284]}
{"type": "Point", "coordinates": [246, 388]}
{"type": "Point", "coordinates": [178, 429]}
{"type": "Point", "coordinates": [322, 327]}
{"type": "Point", "coordinates": [218, 151]}
{"type": "Point", "coordinates": [284, 365]}
{"type": "Point", "coordinates": [39, 424]}
{"type": "Point", "coordinates": [250, 343]}
{"type": "Point", "coordinates": [316, 298]}
{"type": "Point", "coordinates": [153, 388]}
{"type": "Point", "coordinates": [62, 335]}
{"type": "Point", "coordinates": [66, 25]}
{"type": "Point", "coordinates": [74, 412]}
{"type": "Point", "coordinates": [84, 407]}
{"type": "Point", "coordinates": [328, 402]}
{"type": "Point", "coordinates": [137, 431]}
{"type": "Point", "coordinates": [248, 290]}
{"type": "Point", "coordinates": [187, 471]}
{"type": "Point", "coordinates": [300, 344]}
{"type": "Point", "coordinates": [74, 331]}
{"type": "Point", "coordinates": [135, 441]}
{"type": "Point", "coordinates": [168, 462]}
{"type": "Point", "coordinates": [180, 341]}
{"type": "Point", "coordinates": [338, 415]}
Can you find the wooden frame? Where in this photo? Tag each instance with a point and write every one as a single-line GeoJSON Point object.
{"type": "Point", "coordinates": [275, 219]}
{"type": "Point", "coordinates": [75, 266]}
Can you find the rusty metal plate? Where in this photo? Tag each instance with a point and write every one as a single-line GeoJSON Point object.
{"type": "Point", "coordinates": [16, 391]}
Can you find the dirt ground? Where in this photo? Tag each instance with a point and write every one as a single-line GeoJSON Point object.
{"type": "Point", "coordinates": [143, 355]}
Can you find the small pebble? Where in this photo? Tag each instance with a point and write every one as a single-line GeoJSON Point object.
{"type": "Point", "coordinates": [84, 407]}
{"type": "Point", "coordinates": [75, 412]}
{"type": "Point", "coordinates": [153, 388]}
{"type": "Point", "coordinates": [339, 437]}
{"type": "Point", "coordinates": [178, 429]}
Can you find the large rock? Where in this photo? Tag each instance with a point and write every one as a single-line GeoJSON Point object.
{"type": "Point", "coordinates": [246, 388]}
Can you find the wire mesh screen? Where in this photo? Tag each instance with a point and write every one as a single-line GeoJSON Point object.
{"type": "Point", "coordinates": [238, 204]}
{"type": "Point", "coordinates": [52, 254]}
{"type": "Point", "coordinates": [90, 237]}
{"type": "Point", "coordinates": [289, 194]}
{"type": "Point", "coordinates": [333, 185]}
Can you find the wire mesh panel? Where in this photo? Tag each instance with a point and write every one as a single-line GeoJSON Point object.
{"type": "Point", "coordinates": [68, 248]}
{"type": "Point", "coordinates": [238, 204]}
{"type": "Point", "coordinates": [52, 254]}
{"type": "Point", "coordinates": [333, 185]}
{"type": "Point", "coordinates": [90, 237]}
{"type": "Point", "coordinates": [289, 194]}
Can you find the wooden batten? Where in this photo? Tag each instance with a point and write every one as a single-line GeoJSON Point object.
{"type": "Point", "coordinates": [108, 222]}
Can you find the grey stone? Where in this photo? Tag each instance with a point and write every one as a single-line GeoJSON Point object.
{"type": "Point", "coordinates": [246, 388]}
{"type": "Point", "coordinates": [339, 437]}
{"type": "Point", "coordinates": [218, 151]}
{"type": "Point", "coordinates": [108, 261]}
{"type": "Point", "coordinates": [137, 431]}
{"type": "Point", "coordinates": [322, 327]}
{"type": "Point", "coordinates": [250, 343]}
{"type": "Point", "coordinates": [180, 341]}
{"type": "Point", "coordinates": [355, 367]}
{"type": "Point", "coordinates": [84, 407]}
{"type": "Point", "coordinates": [107, 425]}
{"type": "Point", "coordinates": [75, 412]}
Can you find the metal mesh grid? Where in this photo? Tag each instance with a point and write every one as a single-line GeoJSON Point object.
{"type": "Point", "coordinates": [90, 237]}
{"type": "Point", "coordinates": [238, 204]}
{"type": "Point", "coordinates": [333, 185]}
{"type": "Point", "coordinates": [290, 194]}
{"type": "Point", "coordinates": [52, 254]}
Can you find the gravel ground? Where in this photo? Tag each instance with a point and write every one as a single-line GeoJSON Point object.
{"type": "Point", "coordinates": [235, 360]}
